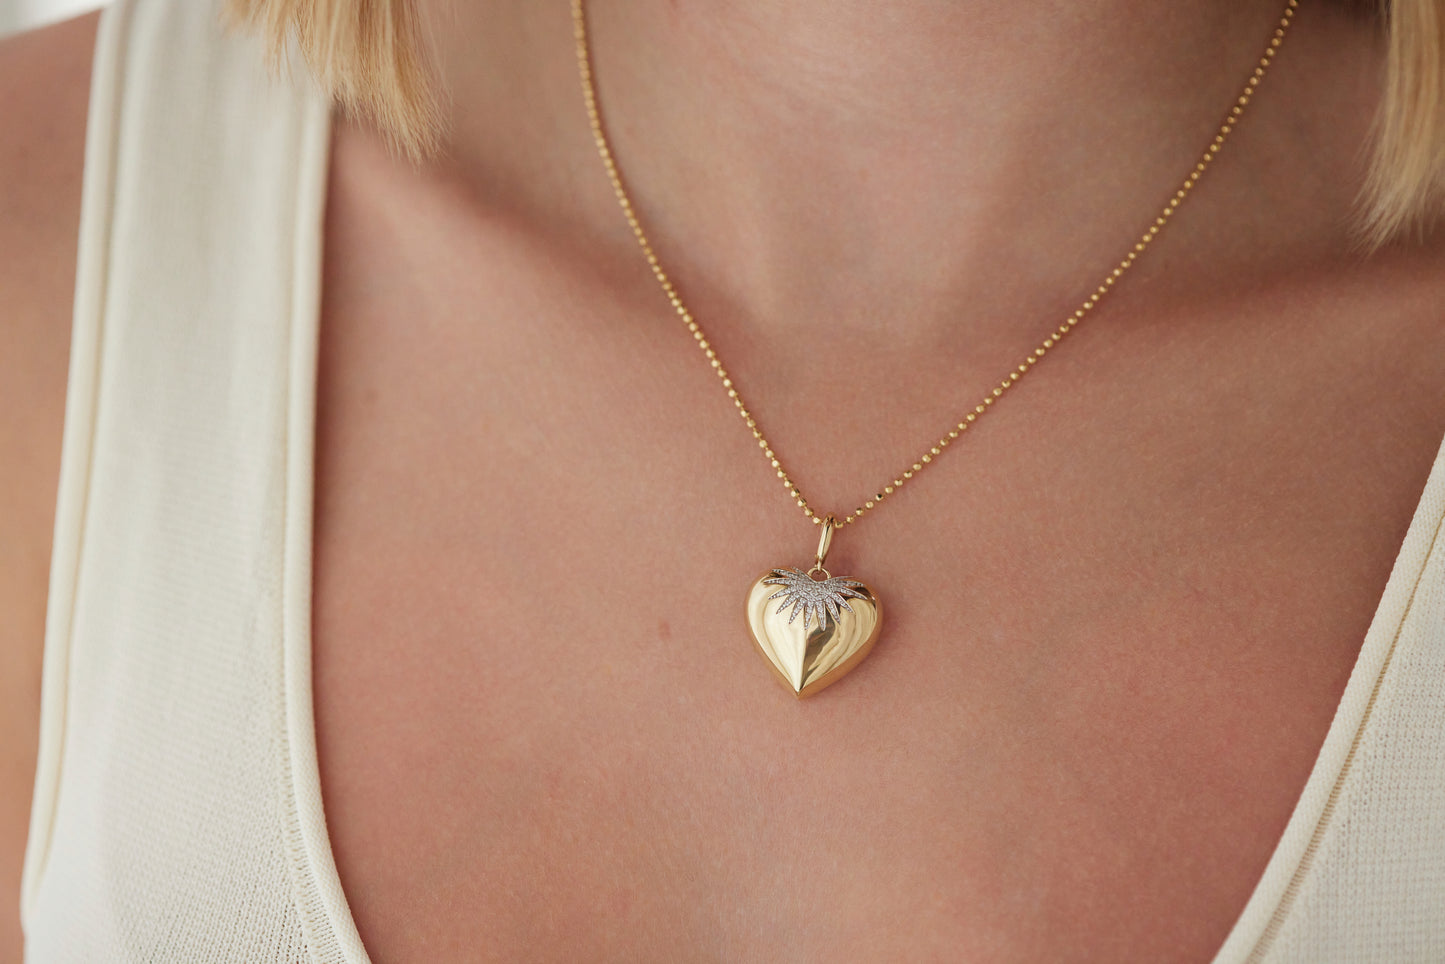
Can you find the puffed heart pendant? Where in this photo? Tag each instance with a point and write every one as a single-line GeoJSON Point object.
{"type": "Point", "coordinates": [812, 627]}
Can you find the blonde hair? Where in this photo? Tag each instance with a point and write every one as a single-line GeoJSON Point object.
{"type": "Point", "coordinates": [372, 57]}
{"type": "Point", "coordinates": [369, 54]}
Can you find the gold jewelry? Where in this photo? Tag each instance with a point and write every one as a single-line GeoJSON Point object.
{"type": "Point", "coordinates": [841, 617]}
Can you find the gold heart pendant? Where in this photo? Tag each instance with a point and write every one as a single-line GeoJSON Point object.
{"type": "Point", "coordinates": [812, 631]}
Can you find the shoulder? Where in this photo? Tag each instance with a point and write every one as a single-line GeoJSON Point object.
{"type": "Point", "coordinates": [44, 95]}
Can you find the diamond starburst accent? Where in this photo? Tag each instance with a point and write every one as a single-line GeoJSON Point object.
{"type": "Point", "coordinates": [810, 596]}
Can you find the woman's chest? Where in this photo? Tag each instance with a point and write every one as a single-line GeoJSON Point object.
{"type": "Point", "coordinates": [1117, 624]}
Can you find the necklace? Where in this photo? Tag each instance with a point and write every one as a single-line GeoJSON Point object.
{"type": "Point", "coordinates": [826, 624]}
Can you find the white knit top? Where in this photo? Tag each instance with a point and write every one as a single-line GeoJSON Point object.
{"type": "Point", "coordinates": [177, 813]}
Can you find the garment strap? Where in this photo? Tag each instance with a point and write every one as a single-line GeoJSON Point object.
{"type": "Point", "coordinates": [176, 677]}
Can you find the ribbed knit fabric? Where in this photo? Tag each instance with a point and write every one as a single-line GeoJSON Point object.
{"type": "Point", "coordinates": [177, 813]}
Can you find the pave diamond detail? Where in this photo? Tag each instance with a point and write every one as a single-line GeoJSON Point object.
{"type": "Point", "coordinates": [810, 596]}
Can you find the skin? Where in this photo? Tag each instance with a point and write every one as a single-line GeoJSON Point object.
{"type": "Point", "coordinates": [44, 78]}
{"type": "Point", "coordinates": [1119, 616]}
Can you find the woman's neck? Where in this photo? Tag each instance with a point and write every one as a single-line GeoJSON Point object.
{"type": "Point", "coordinates": [854, 163]}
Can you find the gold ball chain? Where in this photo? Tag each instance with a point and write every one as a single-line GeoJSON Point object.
{"type": "Point", "coordinates": [589, 92]}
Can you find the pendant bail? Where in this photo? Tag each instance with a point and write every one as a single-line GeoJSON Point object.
{"type": "Point", "coordinates": [825, 541]}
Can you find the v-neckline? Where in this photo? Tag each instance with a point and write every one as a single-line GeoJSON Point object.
{"type": "Point", "coordinates": [321, 903]}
